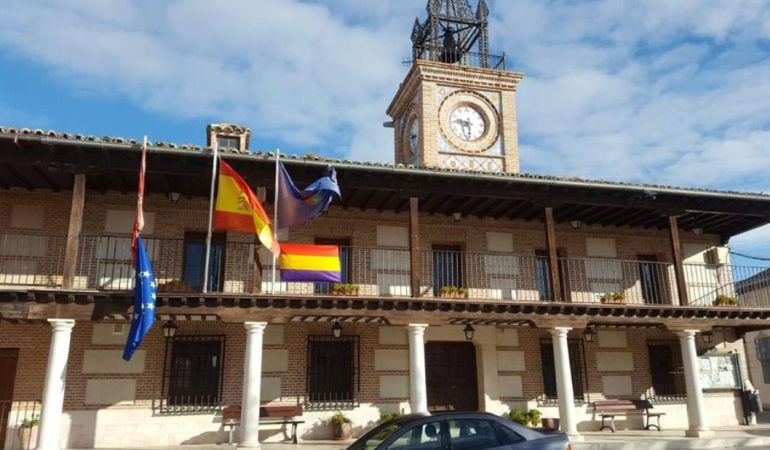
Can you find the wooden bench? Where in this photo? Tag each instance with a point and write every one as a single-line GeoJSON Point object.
{"type": "Point", "coordinates": [608, 409]}
{"type": "Point", "coordinates": [268, 415]}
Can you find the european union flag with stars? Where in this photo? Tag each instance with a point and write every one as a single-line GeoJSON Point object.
{"type": "Point", "coordinates": [144, 301]}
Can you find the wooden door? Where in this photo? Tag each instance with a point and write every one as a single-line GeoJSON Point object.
{"type": "Point", "coordinates": [8, 360]}
{"type": "Point", "coordinates": [451, 376]}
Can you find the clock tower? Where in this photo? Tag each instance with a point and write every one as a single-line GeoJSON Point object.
{"type": "Point", "coordinates": [456, 108]}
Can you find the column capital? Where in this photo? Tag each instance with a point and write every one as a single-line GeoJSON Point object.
{"type": "Point", "coordinates": [559, 331]}
{"type": "Point", "coordinates": [417, 328]}
{"type": "Point", "coordinates": [255, 327]}
{"type": "Point", "coordinates": [62, 324]}
{"type": "Point", "coordinates": [687, 334]}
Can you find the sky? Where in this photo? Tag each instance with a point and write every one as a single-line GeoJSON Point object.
{"type": "Point", "coordinates": [669, 92]}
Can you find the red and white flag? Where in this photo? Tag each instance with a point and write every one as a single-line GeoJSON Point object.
{"type": "Point", "coordinates": [139, 222]}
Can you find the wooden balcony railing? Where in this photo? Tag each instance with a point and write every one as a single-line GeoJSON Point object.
{"type": "Point", "coordinates": [104, 263]}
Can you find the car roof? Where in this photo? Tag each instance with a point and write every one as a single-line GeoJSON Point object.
{"type": "Point", "coordinates": [442, 415]}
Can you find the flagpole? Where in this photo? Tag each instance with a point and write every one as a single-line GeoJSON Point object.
{"type": "Point", "coordinates": [211, 219]}
{"type": "Point", "coordinates": [275, 215]}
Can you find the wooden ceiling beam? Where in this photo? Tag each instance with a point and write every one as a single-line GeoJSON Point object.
{"type": "Point", "coordinates": [515, 212]}
{"type": "Point", "coordinates": [18, 177]}
{"type": "Point", "coordinates": [47, 180]}
{"type": "Point", "coordinates": [388, 198]}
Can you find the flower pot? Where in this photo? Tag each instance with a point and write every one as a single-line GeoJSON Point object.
{"type": "Point", "coordinates": [550, 423]}
{"type": "Point", "coordinates": [28, 437]}
{"type": "Point", "coordinates": [342, 432]}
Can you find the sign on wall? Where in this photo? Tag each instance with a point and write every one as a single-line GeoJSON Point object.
{"type": "Point", "coordinates": [719, 371]}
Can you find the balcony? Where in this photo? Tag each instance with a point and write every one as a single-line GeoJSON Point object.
{"type": "Point", "coordinates": [104, 264]}
{"type": "Point", "coordinates": [463, 58]}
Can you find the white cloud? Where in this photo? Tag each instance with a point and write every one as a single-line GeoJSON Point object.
{"type": "Point", "coordinates": [671, 92]}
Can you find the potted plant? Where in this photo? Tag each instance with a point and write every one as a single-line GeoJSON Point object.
{"type": "Point", "coordinates": [529, 418]}
{"type": "Point", "coordinates": [614, 297]}
{"type": "Point", "coordinates": [725, 300]}
{"type": "Point", "coordinates": [534, 417]}
{"type": "Point", "coordinates": [550, 423]}
{"type": "Point", "coordinates": [342, 427]}
{"type": "Point", "coordinates": [174, 286]}
{"type": "Point", "coordinates": [518, 416]}
{"type": "Point", "coordinates": [28, 432]}
{"type": "Point", "coordinates": [347, 289]}
{"type": "Point", "coordinates": [387, 417]}
{"type": "Point", "coordinates": [453, 292]}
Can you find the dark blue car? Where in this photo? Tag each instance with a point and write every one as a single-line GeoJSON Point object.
{"type": "Point", "coordinates": [457, 431]}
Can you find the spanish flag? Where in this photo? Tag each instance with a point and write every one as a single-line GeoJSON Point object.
{"type": "Point", "coordinates": [237, 208]}
{"type": "Point", "coordinates": [310, 263]}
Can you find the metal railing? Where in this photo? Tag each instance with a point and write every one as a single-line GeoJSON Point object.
{"type": "Point", "coordinates": [451, 56]}
{"type": "Point", "coordinates": [31, 260]}
{"type": "Point", "coordinates": [612, 281]}
{"type": "Point", "coordinates": [19, 424]}
{"type": "Point", "coordinates": [493, 276]}
{"type": "Point", "coordinates": [366, 272]}
{"type": "Point", "coordinates": [104, 263]}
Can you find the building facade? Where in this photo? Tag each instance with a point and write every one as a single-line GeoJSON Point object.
{"type": "Point", "coordinates": [467, 285]}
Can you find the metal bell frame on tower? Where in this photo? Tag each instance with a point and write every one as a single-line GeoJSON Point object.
{"type": "Point", "coordinates": [453, 33]}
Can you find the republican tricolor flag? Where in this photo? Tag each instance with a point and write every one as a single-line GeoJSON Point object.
{"type": "Point", "coordinates": [310, 263]}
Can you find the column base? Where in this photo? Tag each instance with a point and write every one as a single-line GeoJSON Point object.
{"type": "Point", "coordinates": [257, 446]}
{"type": "Point", "coordinates": [699, 433]}
{"type": "Point", "coordinates": [575, 437]}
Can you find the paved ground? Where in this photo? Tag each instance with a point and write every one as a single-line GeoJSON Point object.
{"type": "Point", "coordinates": [756, 437]}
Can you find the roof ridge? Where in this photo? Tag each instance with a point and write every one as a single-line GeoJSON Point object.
{"type": "Point", "coordinates": [309, 156]}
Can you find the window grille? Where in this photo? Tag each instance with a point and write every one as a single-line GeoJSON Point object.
{"type": "Point", "coordinates": [193, 374]}
{"type": "Point", "coordinates": [333, 372]}
{"type": "Point", "coordinates": [666, 371]}
{"type": "Point", "coordinates": [762, 344]}
{"type": "Point", "coordinates": [577, 359]}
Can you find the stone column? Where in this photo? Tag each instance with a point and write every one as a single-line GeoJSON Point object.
{"type": "Point", "coordinates": [696, 413]}
{"type": "Point", "coordinates": [418, 390]}
{"type": "Point", "coordinates": [55, 380]}
{"type": "Point", "coordinates": [564, 389]}
{"type": "Point", "coordinates": [252, 384]}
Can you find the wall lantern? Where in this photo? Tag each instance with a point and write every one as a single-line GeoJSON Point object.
{"type": "Point", "coordinates": [697, 231]}
{"type": "Point", "coordinates": [576, 224]}
{"type": "Point", "coordinates": [174, 197]}
{"type": "Point", "coordinates": [588, 334]}
{"type": "Point", "coordinates": [337, 329]}
{"type": "Point", "coordinates": [469, 331]}
{"type": "Point", "coordinates": [708, 337]}
{"type": "Point", "coordinates": [169, 329]}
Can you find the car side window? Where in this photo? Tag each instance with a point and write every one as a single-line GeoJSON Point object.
{"type": "Point", "coordinates": [475, 434]}
{"type": "Point", "coordinates": [426, 436]}
{"type": "Point", "coordinates": [506, 436]}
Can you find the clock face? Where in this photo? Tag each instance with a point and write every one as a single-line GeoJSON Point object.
{"type": "Point", "coordinates": [467, 123]}
{"type": "Point", "coordinates": [414, 136]}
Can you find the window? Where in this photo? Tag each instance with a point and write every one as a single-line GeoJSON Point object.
{"type": "Point", "coordinates": [478, 434]}
{"type": "Point", "coordinates": [447, 267]}
{"type": "Point", "coordinates": [543, 274]}
{"type": "Point", "coordinates": [426, 436]}
{"type": "Point", "coordinates": [652, 276]}
{"type": "Point", "coordinates": [543, 270]}
{"type": "Point", "coordinates": [666, 370]}
{"type": "Point", "coordinates": [577, 361]}
{"type": "Point", "coordinates": [228, 142]}
{"type": "Point", "coordinates": [195, 259]}
{"type": "Point", "coordinates": [193, 373]}
{"type": "Point", "coordinates": [762, 344]}
{"type": "Point", "coordinates": [333, 371]}
{"type": "Point", "coordinates": [345, 263]}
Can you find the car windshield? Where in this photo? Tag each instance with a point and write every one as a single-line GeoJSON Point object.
{"type": "Point", "coordinates": [375, 437]}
